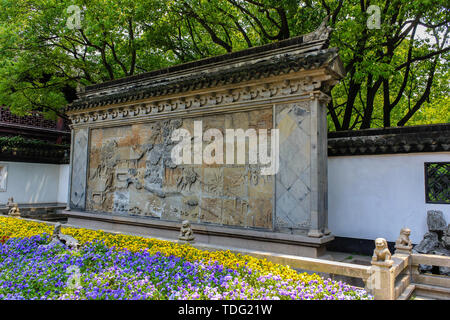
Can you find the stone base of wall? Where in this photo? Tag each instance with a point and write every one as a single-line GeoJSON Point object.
{"type": "Point", "coordinates": [39, 211]}
{"type": "Point", "coordinates": [224, 236]}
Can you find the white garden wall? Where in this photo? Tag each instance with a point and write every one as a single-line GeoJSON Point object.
{"type": "Point", "coordinates": [63, 183]}
{"type": "Point", "coordinates": [375, 196]}
{"type": "Point", "coordinates": [35, 183]}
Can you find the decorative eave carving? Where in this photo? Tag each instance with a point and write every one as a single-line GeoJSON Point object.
{"type": "Point", "coordinates": [220, 98]}
{"type": "Point", "coordinates": [321, 33]}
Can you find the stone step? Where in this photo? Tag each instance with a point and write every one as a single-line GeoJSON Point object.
{"type": "Point", "coordinates": [423, 298]}
{"type": "Point", "coordinates": [407, 292]}
{"type": "Point", "coordinates": [434, 292]}
{"type": "Point", "coordinates": [402, 282]}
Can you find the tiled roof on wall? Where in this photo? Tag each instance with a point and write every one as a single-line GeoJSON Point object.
{"type": "Point", "coordinates": [424, 138]}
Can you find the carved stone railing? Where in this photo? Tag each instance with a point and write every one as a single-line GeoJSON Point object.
{"type": "Point", "coordinates": [400, 277]}
{"type": "Point", "coordinates": [389, 277]}
{"type": "Point", "coordinates": [428, 279]}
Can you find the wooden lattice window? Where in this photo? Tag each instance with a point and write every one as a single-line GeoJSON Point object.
{"type": "Point", "coordinates": [437, 182]}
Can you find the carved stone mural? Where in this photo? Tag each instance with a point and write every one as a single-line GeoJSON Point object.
{"type": "Point", "coordinates": [131, 172]}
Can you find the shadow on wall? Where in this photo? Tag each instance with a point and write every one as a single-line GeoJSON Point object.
{"type": "Point", "coordinates": [355, 246]}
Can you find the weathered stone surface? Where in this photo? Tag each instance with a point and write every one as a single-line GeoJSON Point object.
{"type": "Point", "coordinates": [293, 184]}
{"type": "Point", "coordinates": [446, 238]}
{"type": "Point", "coordinates": [435, 241]}
{"type": "Point", "coordinates": [79, 167]}
{"type": "Point", "coordinates": [234, 212]}
{"type": "Point", "coordinates": [211, 210]}
{"type": "Point", "coordinates": [430, 242]}
{"type": "Point", "coordinates": [436, 221]}
{"type": "Point", "coordinates": [58, 238]}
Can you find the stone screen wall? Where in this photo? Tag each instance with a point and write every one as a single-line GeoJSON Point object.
{"type": "Point", "coordinates": [131, 172]}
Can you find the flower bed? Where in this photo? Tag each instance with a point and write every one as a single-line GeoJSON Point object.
{"type": "Point", "coordinates": [115, 266]}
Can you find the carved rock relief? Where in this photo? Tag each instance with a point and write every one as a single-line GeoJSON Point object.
{"type": "Point", "coordinates": [131, 173]}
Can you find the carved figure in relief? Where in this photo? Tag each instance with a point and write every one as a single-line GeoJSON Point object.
{"type": "Point", "coordinates": [135, 211]}
{"type": "Point", "coordinates": [215, 183]}
{"type": "Point", "coordinates": [187, 179]}
{"type": "Point", "coordinates": [254, 176]}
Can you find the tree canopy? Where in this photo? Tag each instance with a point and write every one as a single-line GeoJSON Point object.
{"type": "Point", "coordinates": [397, 71]}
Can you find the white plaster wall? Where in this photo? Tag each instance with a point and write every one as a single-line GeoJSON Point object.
{"type": "Point", "coordinates": [375, 196]}
{"type": "Point", "coordinates": [63, 183]}
{"type": "Point", "coordinates": [35, 182]}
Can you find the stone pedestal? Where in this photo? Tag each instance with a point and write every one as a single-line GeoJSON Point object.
{"type": "Point", "coordinates": [405, 250]}
{"type": "Point", "coordinates": [381, 283]}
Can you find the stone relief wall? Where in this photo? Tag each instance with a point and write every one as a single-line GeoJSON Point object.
{"type": "Point", "coordinates": [131, 172]}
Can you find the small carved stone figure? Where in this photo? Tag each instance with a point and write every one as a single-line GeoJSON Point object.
{"type": "Point", "coordinates": [381, 254]}
{"type": "Point", "coordinates": [10, 202]}
{"type": "Point", "coordinates": [403, 243]}
{"type": "Point", "coordinates": [14, 211]}
{"type": "Point", "coordinates": [186, 233]}
{"type": "Point", "coordinates": [59, 238]}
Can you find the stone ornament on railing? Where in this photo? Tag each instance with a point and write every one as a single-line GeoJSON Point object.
{"type": "Point", "coordinates": [13, 208]}
{"type": "Point", "coordinates": [381, 255]}
{"type": "Point", "coordinates": [186, 233]}
{"type": "Point", "coordinates": [14, 211]}
{"type": "Point", "coordinates": [403, 244]}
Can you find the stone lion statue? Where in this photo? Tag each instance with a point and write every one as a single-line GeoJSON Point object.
{"type": "Point", "coordinates": [381, 254]}
{"type": "Point", "coordinates": [14, 210]}
{"type": "Point", "coordinates": [403, 241]}
{"type": "Point", "coordinates": [186, 233]}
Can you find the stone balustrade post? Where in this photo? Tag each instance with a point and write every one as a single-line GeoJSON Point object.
{"type": "Point", "coordinates": [381, 282]}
